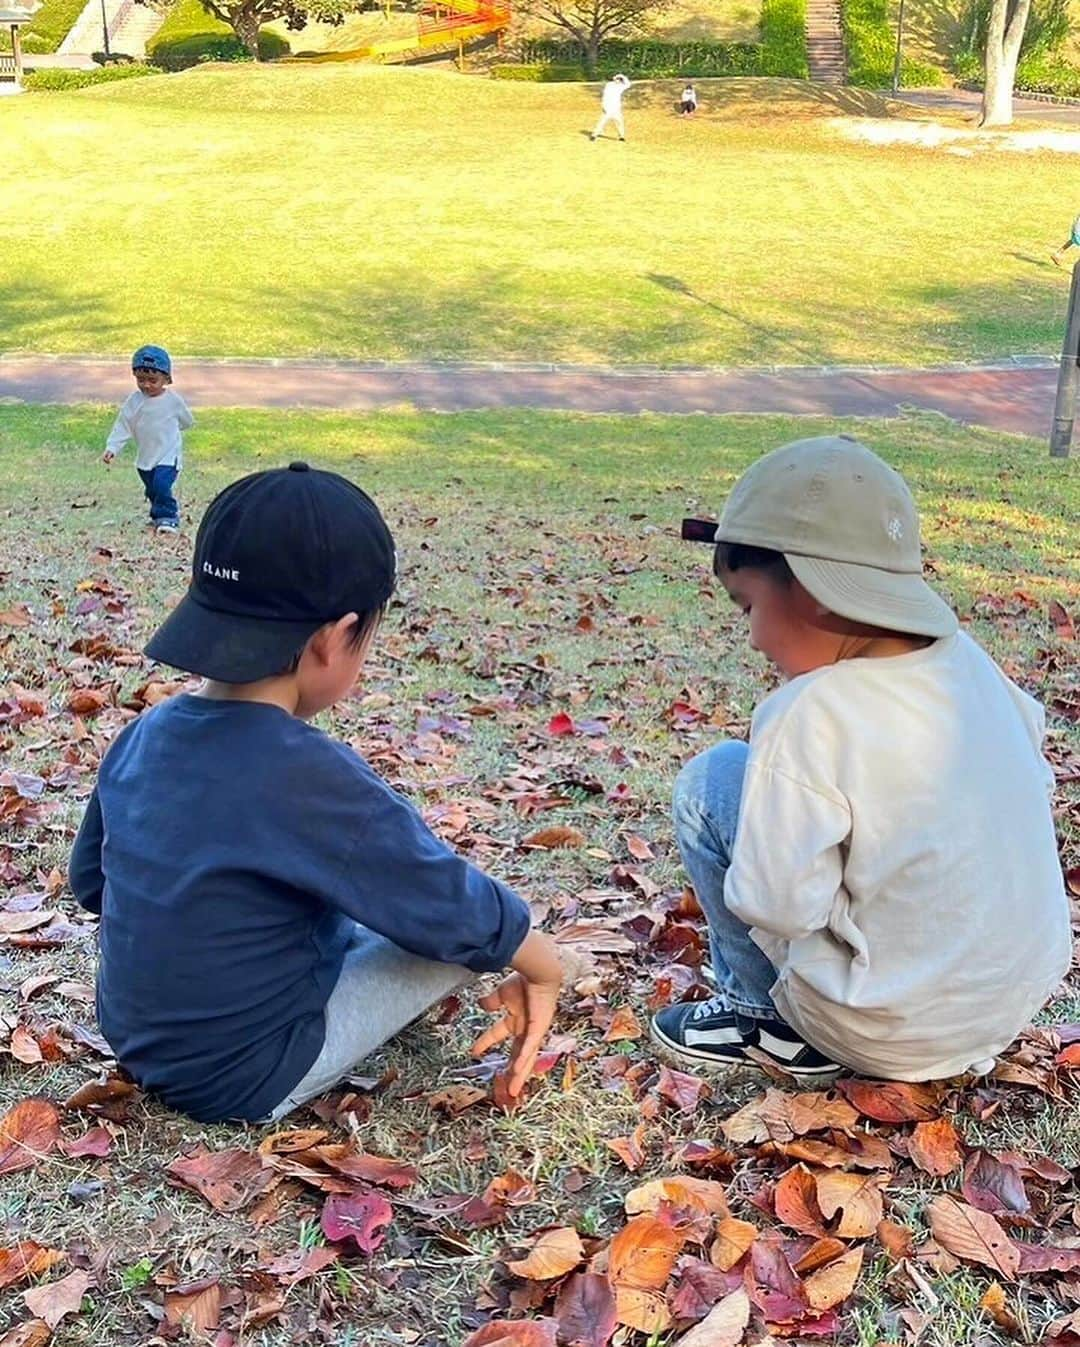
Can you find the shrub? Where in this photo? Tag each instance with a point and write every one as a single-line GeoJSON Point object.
{"type": "Point", "coordinates": [783, 39]}
{"type": "Point", "coordinates": [870, 40]}
{"type": "Point", "coordinates": [538, 74]}
{"type": "Point", "coordinates": [189, 36]}
{"type": "Point", "coordinates": [1040, 73]}
{"type": "Point", "coordinates": [48, 28]}
{"type": "Point", "coordinates": [647, 59]}
{"type": "Point", "coordinates": [61, 79]}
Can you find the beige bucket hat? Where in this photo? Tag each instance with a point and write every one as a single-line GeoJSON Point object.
{"type": "Point", "coordinates": [848, 527]}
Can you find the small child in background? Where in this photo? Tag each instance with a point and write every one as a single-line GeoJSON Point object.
{"type": "Point", "coordinates": [1073, 241]}
{"type": "Point", "coordinates": [155, 417]}
{"type": "Point", "coordinates": [688, 102]}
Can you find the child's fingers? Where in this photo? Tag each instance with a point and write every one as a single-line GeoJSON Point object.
{"type": "Point", "coordinates": [498, 1033]}
{"type": "Point", "coordinates": [526, 1051]}
{"type": "Point", "coordinates": [491, 1001]}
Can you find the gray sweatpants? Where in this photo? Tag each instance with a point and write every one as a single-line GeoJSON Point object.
{"type": "Point", "coordinates": [381, 989]}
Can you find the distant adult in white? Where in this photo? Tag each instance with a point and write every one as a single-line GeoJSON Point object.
{"type": "Point", "coordinates": [611, 106]}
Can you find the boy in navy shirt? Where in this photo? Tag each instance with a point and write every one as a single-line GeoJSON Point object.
{"type": "Point", "coordinates": [271, 911]}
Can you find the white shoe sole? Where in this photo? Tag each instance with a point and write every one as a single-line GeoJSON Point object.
{"type": "Point", "coordinates": [718, 1066]}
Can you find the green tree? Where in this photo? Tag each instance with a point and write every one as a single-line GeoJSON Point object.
{"type": "Point", "coordinates": [589, 22]}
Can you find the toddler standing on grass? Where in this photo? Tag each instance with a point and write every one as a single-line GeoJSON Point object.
{"type": "Point", "coordinates": [1073, 241]}
{"type": "Point", "coordinates": [878, 866]}
{"type": "Point", "coordinates": [155, 417]}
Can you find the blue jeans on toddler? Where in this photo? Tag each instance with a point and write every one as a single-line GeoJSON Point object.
{"type": "Point", "coordinates": [706, 811]}
{"type": "Point", "coordinates": [158, 483]}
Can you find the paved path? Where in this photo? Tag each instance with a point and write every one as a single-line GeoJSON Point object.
{"type": "Point", "coordinates": [1015, 396]}
{"type": "Point", "coordinates": [966, 100]}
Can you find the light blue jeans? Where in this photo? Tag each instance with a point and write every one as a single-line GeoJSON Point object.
{"type": "Point", "coordinates": [706, 811]}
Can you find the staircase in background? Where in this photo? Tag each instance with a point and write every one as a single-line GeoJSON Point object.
{"type": "Point", "coordinates": [131, 26]}
{"type": "Point", "coordinates": [825, 41]}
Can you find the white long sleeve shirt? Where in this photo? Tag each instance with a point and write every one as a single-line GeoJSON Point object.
{"type": "Point", "coordinates": [896, 859]}
{"type": "Point", "coordinates": [156, 425]}
{"type": "Point", "coordinates": [611, 98]}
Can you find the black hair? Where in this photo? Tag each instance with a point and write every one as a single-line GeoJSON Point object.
{"type": "Point", "coordinates": [743, 557]}
{"type": "Point", "coordinates": [364, 625]}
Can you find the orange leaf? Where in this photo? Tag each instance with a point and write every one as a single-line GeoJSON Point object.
{"type": "Point", "coordinates": [683, 1190]}
{"type": "Point", "coordinates": [556, 1252]}
{"type": "Point", "coordinates": [892, 1101]}
{"type": "Point", "coordinates": [24, 1046]}
{"type": "Point", "coordinates": [624, 1024]}
{"type": "Point", "coordinates": [732, 1242]}
{"type": "Point", "coordinates": [514, 1333]}
{"type": "Point", "coordinates": [1063, 623]}
{"type": "Point", "coordinates": [897, 1240]}
{"type": "Point", "coordinates": [795, 1201]}
{"type": "Point", "coordinates": [298, 1139]}
{"type": "Point", "coordinates": [28, 1132]}
{"type": "Point", "coordinates": [197, 1305]}
{"type": "Point", "coordinates": [18, 616]}
{"type": "Point", "coordinates": [996, 1306]}
{"type": "Point", "coordinates": [858, 1199]}
{"type": "Point", "coordinates": [935, 1147]}
{"type": "Point", "coordinates": [644, 1310]}
{"type": "Point", "coordinates": [88, 701]}
{"type": "Point", "coordinates": [639, 848]}
{"type": "Point", "coordinates": [55, 1300]}
{"type": "Point", "coordinates": [33, 1333]}
{"type": "Point", "coordinates": [628, 1149]}
{"type": "Point", "coordinates": [643, 1253]}
{"type": "Point", "coordinates": [822, 1251]}
{"type": "Point", "coordinates": [829, 1285]}
{"type": "Point", "coordinates": [973, 1235]}
{"type": "Point", "coordinates": [724, 1325]}
{"type": "Point", "coordinates": [26, 1260]}
{"type": "Point", "coordinates": [553, 839]}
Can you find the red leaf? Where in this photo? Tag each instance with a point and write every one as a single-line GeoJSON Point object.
{"type": "Point", "coordinates": [28, 1132]}
{"type": "Point", "coordinates": [935, 1147]}
{"type": "Point", "coordinates": [891, 1101]}
{"type": "Point", "coordinates": [362, 1219]}
{"type": "Point", "coordinates": [774, 1288]}
{"type": "Point", "coordinates": [1046, 1258]}
{"type": "Point", "coordinates": [300, 1264]}
{"type": "Point", "coordinates": [995, 1187]}
{"type": "Point", "coordinates": [585, 1311]}
{"type": "Point", "coordinates": [561, 724]}
{"type": "Point", "coordinates": [378, 1169]}
{"type": "Point", "coordinates": [1062, 622]}
{"type": "Point", "coordinates": [227, 1179]}
{"type": "Point", "coordinates": [97, 1142]}
{"type": "Point", "coordinates": [796, 1203]}
{"type": "Point", "coordinates": [682, 1089]}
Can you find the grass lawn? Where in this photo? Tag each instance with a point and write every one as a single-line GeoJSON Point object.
{"type": "Point", "coordinates": [373, 213]}
{"type": "Point", "coordinates": [541, 575]}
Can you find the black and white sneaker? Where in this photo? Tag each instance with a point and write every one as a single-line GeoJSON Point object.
{"type": "Point", "coordinates": [712, 1036]}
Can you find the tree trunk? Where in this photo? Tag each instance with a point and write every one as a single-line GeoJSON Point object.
{"type": "Point", "coordinates": [1003, 39]}
{"type": "Point", "coordinates": [592, 54]}
{"type": "Point", "coordinates": [246, 27]}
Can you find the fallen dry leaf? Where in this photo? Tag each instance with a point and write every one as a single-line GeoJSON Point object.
{"type": "Point", "coordinates": [731, 1243]}
{"type": "Point", "coordinates": [109, 1098]}
{"type": "Point", "coordinates": [897, 1240]}
{"type": "Point", "coordinates": [227, 1179]}
{"type": "Point", "coordinates": [365, 1168]}
{"type": "Point", "coordinates": [296, 1139]}
{"type": "Point", "coordinates": [26, 1260]}
{"type": "Point", "coordinates": [973, 1235]}
{"type": "Point", "coordinates": [647, 1311]}
{"type": "Point", "coordinates": [28, 1132]}
{"type": "Point", "coordinates": [554, 1254]}
{"type": "Point", "coordinates": [299, 1264]}
{"type": "Point", "coordinates": [891, 1101]}
{"type": "Point", "coordinates": [585, 1311]}
{"type": "Point", "coordinates": [682, 1190]}
{"type": "Point", "coordinates": [795, 1201]}
{"type": "Point", "coordinates": [643, 1254]}
{"type": "Point", "coordinates": [514, 1333]}
{"type": "Point", "coordinates": [55, 1300]}
{"type": "Point", "coordinates": [834, 1282]}
{"type": "Point", "coordinates": [33, 1333]}
{"type": "Point", "coordinates": [554, 839]}
{"type": "Point", "coordinates": [997, 1307]}
{"type": "Point", "coordinates": [935, 1147]}
{"type": "Point", "coordinates": [682, 1089]}
{"type": "Point", "coordinates": [723, 1326]}
{"type": "Point", "coordinates": [97, 1142]}
{"type": "Point", "coordinates": [362, 1219]}
{"type": "Point", "coordinates": [628, 1149]}
{"type": "Point", "coordinates": [624, 1025]}
{"type": "Point", "coordinates": [858, 1199]}
{"type": "Point", "coordinates": [994, 1186]}
{"type": "Point", "coordinates": [197, 1304]}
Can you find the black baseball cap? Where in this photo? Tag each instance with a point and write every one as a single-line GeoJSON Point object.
{"type": "Point", "coordinates": [278, 554]}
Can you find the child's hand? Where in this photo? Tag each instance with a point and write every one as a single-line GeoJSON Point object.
{"type": "Point", "coordinates": [108, 456]}
{"type": "Point", "coordinates": [527, 1011]}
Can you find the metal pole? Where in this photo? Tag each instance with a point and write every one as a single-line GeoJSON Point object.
{"type": "Point", "coordinates": [899, 45]}
{"type": "Point", "coordinates": [105, 27]}
{"type": "Point", "coordinates": [1068, 375]}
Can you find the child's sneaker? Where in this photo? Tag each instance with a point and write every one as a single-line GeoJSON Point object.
{"type": "Point", "coordinates": [711, 1036]}
{"type": "Point", "coordinates": [168, 526]}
